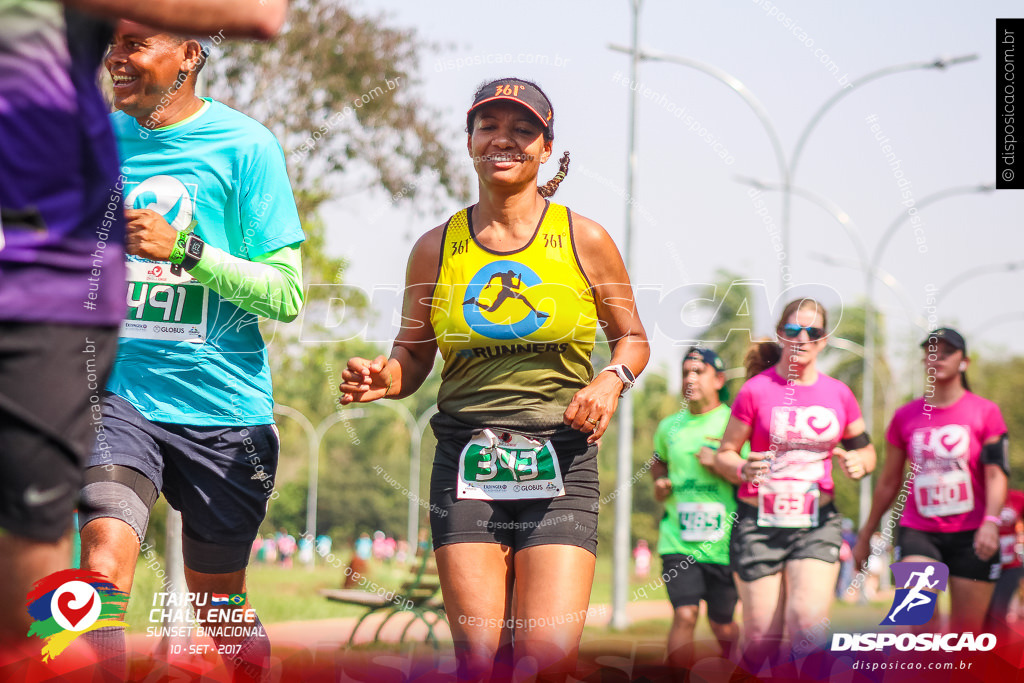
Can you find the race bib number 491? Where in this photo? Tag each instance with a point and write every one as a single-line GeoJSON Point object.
{"type": "Point", "coordinates": [162, 305]}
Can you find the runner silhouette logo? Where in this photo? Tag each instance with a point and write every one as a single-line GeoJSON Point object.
{"type": "Point", "coordinates": [917, 586]}
{"type": "Point", "coordinates": [498, 303]}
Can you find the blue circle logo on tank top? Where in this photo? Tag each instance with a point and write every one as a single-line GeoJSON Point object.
{"type": "Point", "coordinates": [496, 295]}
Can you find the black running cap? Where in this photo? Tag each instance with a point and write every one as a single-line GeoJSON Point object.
{"type": "Point", "coordinates": [522, 92]}
{"type": "Point", "coordinates": [948, 335]}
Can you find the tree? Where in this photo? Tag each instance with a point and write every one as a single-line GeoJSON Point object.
{"type": "Point", "coordinates": [340, 93]}
{"type": "Point", "coordinates": [1002, 381]}
{"type": "Point", "coordinates": [733, 320]}
{"type": "Point", "coordinates": [845, 362]}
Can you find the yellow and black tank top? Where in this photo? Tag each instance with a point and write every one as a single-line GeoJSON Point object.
{"type": "Point", "coordinates": [515, 329]}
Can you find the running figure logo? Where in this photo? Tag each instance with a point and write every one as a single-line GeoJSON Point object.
{"type": "Point", "coordinates": [497, 316]}
{"type": "Point", "coordinates": [510, 282]}
{"type": "Point", "coordinates": [917, 584]}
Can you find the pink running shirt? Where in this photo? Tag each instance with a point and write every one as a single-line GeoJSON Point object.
{"type": "Point", "coordinates": [799, 424]}
{"type": "Point", "coordinates": [943, 446]}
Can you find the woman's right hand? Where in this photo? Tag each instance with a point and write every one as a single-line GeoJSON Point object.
{"type": "Point", "coordinates": [861, 551]}
{"type": "Point", "coordinates": [365, 380]}
{"type": "Point", "coordinates": [756, 467]}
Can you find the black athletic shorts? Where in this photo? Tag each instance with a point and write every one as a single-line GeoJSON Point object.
{"type": "Point", "coordinates": [570, 519]}
{"type": "Point", "coordinates": [51, 384]}
{"type": "Point", "coordinates": [757, 551]}
{"type": "Point", "coordinates": [955, 550]}
{"type": "Point", "coordinates": [689, 582]}
{"type": "Point", "coordinates": [219, 478]}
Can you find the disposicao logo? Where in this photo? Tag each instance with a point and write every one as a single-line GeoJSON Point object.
{"type": "Point", "coordinates": [71, 602]}
{"type": "Point", "coordinates": [917, 589]}
{"type": "Point", "coordinates": [914, 604]}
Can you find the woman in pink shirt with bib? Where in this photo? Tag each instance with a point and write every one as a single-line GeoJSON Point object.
{"type": "Point", "coordinates": [950, 499]}
{"type": "Point", "coordinates": [785, 544]}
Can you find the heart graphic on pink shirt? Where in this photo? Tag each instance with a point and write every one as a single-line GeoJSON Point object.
{"type": "Point", "coordinates": [951, 441]}
{"type": "Point", "coordinates": [818, 423]}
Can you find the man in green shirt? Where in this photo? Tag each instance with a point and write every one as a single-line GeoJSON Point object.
{"type": "Point", "coordinates": [700, 508]}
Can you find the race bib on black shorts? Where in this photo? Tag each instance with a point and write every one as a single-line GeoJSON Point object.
{"type": "Point", "coordinates": [505, 466]}
{"type": "Point", "coordinates": [788, 504]}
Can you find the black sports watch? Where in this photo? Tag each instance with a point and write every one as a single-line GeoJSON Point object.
{"type": "Point", "coordinates": [623, 373]}
{"type": "Point", "coordinates": [193, 252]}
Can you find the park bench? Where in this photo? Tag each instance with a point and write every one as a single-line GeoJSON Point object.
{"type": "Point", "coordinates": [419, 596]}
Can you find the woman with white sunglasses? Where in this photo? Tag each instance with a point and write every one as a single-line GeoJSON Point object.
{"type": "Point", "coordinates": [785, 543]}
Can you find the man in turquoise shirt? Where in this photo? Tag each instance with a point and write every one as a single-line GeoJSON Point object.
{"type": "Point", "coordinates": [212, 237]}
{"type": "Point", "coordinates": [699, 508]}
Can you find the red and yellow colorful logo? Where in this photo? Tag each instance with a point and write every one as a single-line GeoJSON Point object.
{"type": "Point", "coordinates": [69, 603]}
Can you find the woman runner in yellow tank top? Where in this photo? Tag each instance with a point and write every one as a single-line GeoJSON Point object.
{"type": "Point", "coordinates": [512, 291]}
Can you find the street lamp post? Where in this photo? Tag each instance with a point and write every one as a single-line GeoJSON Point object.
{"type": "Point", "coordinates": [313, 444]}
{"type": "Point", "coordinates": [786, 173]}
{"type": "Point", "coordinates": [787, 170]}
{"type": "Point", "coordinates": [740, 88]}
{"type": "Point", "coordinates": [972, 273]}
{"type": "Point", "coordinates": [624, 502]}
{"type": "Point", "coordinates": [870, 268]}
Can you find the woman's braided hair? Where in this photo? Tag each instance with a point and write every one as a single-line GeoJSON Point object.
{"type": "Point", "coordinates": [551, 186]}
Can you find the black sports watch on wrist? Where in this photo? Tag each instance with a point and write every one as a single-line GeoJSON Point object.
{"type": "Point", "coordinates": [193, 252]}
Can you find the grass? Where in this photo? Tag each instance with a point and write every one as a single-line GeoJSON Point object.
{"type": "Point", "coordinates": [292, 595]}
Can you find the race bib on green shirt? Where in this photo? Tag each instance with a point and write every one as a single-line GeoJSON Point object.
{"type": "Point", "coordinates": [700, 521]}
{"type": "Point", "coordinates": [505, 466]}
{"type": "Point", "coordinates": [162, 305]}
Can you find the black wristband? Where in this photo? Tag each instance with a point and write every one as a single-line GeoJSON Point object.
{"type": "Point", "coordinates": [855, 442]}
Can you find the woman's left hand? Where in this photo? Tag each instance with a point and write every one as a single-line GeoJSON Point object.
{"type": "Point", "coordinates": [591, 409]}
{"type": "Point", "coordinates": [986, 541]}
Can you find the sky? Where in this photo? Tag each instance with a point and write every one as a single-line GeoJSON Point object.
{"type": "Point", "coordinates": [885, 146]}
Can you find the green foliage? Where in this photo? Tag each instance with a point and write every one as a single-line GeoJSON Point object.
{"type": "Point", "coordinates": [733, 320]}
{"type": "Point", "coordinates": [305, 86]}
{"type": "Point", "coordinates": [848, 366]}
{"type": "Point", "coordinates": [340, 92]}
{"type": "Point", "coordinates": [1002, 381]}
{"type": "Point", "coordinates": [352, 495]}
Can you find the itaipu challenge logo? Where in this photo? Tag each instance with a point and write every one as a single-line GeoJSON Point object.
{"type": "Point", "coordinates": [72, 602]}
